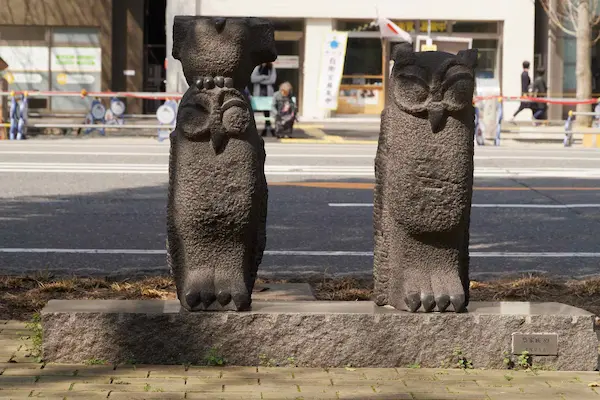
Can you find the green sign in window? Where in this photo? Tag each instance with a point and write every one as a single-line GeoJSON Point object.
{"type": "Point", "coordinates": [69, 59]}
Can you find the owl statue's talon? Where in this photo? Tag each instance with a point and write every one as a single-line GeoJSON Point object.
{"type": "Point", "coordinates": [209, 82]}
{"type": "Point", "coordinates": [219, 81]}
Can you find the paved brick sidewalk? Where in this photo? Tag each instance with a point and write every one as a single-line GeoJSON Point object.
{"type": "Point", "coordinates": [21, 377]}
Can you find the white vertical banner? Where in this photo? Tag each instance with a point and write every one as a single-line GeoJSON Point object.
{"type": "Point", "coordinates": [332, 68]}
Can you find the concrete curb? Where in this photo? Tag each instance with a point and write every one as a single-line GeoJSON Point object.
{"type": "Point", "coordinates": [318, 333]}
{"type": "Point", "coordinates": [327, 139]}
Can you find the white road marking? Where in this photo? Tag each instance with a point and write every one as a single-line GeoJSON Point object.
{"type": "Point", "coordinates": [84, 153]}
{"type": "Point", "coordinates": [300, 253]}
{"type": "Point", "coordinates": [279, 155]}
{"type": "Point", "coordinates": [290, 170]}
{"type": "Point", "coordinates": [558, 206]}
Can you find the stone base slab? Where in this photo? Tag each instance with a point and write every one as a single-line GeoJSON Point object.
{"type": "Point", "coordinates": [314, 333]}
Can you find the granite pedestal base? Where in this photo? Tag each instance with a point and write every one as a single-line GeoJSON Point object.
{"type": "Point", "coordinates": [315, 333]}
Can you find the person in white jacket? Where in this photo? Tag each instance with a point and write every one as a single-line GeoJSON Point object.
{"type": "Point", "coordinates": [263, 78]}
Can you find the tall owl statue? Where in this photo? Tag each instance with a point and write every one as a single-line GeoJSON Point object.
{"type": "Point", "coordinates": [217, 199]}
{"type": "Point", "coordinates": [424, 182]}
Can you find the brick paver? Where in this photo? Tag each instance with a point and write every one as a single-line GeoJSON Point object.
{"type": "Point", "coordinates": [21, 377]}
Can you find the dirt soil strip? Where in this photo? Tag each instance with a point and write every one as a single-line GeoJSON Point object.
{"type": "Point", "coordinates": [22, 296]}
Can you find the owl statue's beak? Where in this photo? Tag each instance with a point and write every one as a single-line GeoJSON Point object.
{"type": "Point", "coordinates": [436, 118]}
{"type": "Point", "coordinates": [220, 24]}
{"type": "Point", "coordinates": [219, 140]}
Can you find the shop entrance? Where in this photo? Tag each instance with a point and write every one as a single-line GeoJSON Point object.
{"type": "Point", "coordinates": [368, 60]}
{"type": "Point", "coordinates": [362, 87]}
{"type": "Point", "coordinates": [289, 42]}
{"type": "Point", "coordinates": [447, 44]}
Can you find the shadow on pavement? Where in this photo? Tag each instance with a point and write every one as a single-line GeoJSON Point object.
{"type": "Point", "coordinates": [300, 219]}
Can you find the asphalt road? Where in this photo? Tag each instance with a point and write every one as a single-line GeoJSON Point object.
{"type": "Point", "coordinates": [97, 206]}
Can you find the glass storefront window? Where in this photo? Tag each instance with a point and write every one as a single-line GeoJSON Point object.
{"type": "Point", "coordinates": [26, 51]}
{"type": "Point", "coordinates": [569, 54]}
{"type": "Point", "coordinates": [75, 37]}
{"type": "Point", "coordinates": [76, 64]}
{"type": "Point", "coordinates": [288, 64]}
{"type": "Point", "coordinates": [487, 59]}
{"type": "Point", "coordinates": [363, 57]}
{"type": "Point", "coordinates": [22, 34]}
{"type": "Point", "coordinates": [474, 27]}
{"type": "Point", "coordinates": [288, 24]}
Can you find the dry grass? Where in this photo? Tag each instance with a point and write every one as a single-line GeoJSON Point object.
{"type": "Point", "coordinates": [20, 296]}
{"type": "Point", "coordinates": [346, 289]}
{"type": "Point", "coordinates": [579, 293]}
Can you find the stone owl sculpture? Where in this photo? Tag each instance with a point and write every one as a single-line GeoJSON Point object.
{"type": "Point", "coordinates": [424, 182]}
{"type": "Point", "coordinates": [217, 199]}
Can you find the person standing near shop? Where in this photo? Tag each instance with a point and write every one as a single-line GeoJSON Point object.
{"type": "Point", "coordinates": [284, 111]}
{"type": "Point", "coordinates": [3, 102]}
{"type": "Point", "coordinates": [525, 88]}
{"type": "Point", "coordinates": [263, 78]}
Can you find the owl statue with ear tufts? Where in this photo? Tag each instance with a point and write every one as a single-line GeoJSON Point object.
{"type": "Point", "coordinates": [217, 199]}
{"type": "Point", "coordinates": [424, 182]}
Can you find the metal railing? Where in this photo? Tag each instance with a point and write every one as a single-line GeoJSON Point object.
{"type": "Point", "coordinates": [568, 124]}
{"type": "Point", "coordinates": [101, 118]}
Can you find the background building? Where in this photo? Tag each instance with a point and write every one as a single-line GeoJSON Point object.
{"type": "Point", "coordinates": [556, 51]}
{"type": "Point", "coordinates": [70, 45]}
{"type": "Point", "coordinates": [503, 31]}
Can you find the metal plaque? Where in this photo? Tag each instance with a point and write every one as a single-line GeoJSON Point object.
{"type": "Point", "coordinates": [537, 344]}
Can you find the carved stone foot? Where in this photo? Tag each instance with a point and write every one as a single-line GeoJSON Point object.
{"type": "Point", "coordinates": [232, 293]}
{"type": "Point", "coordinates": [430, 290]}
{"type": "Point", "coordinates": [208, 290]}
{"type": "Point", "coordinates": [198, 289]}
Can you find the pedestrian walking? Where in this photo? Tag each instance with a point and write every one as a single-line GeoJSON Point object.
{"type": "Point", "coordinates": [284, 111]}
{"type": "Point", "coordinates": [525, 89]}
{"type": "Point", "coordinates": [540, 90]}
{"type": "Point", "coordinates": [263, 78]}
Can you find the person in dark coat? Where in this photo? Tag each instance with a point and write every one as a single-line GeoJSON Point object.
{"type": "Point", "coordinates": [525, 88]}
{"type": "Point", "coordinates": [540, 90]}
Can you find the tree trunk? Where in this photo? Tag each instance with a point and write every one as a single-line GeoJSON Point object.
{"type": "Point", "coordinates": [583, 68]}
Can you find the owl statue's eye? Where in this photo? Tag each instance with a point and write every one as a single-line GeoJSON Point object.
{"type": "Point", "coordinates": [411, 86]}
{"type": "Point", "coordinates": [458, 85]}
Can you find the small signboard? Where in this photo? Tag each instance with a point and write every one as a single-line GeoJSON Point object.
{"type": "Point", "coordinates": [448, 44]}
{"type": "Point", "coordinates": [287, 62]}
{"type": "Point", "coordinates": [332, 68]}
{"type": "Point", "coordinates": [536, 344]}
{"type": "Point", "coordinates": [166, 115]}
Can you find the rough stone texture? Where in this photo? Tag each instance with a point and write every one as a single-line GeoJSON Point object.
{"type": "Point", "coordinates": [315, 333]}
{"type": "Point", "coordinates": [217, 205]}
{"type": "Point", "coordinates": [424, 182]}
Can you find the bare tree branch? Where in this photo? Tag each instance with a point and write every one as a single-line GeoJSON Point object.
{"type": "Point", "coordinates": [594, 18]}
{"type": "Point", "coordinates": [557, 15]}
{"type": "Point", "coordinates": [564, 13]}
{"type": "Point", "coordinates": [596, 39]}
